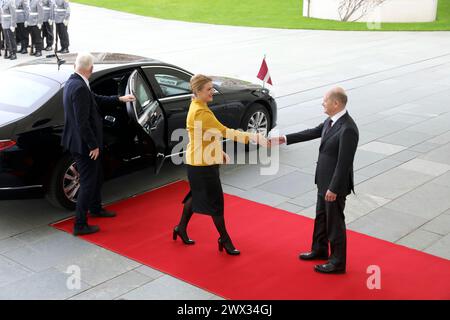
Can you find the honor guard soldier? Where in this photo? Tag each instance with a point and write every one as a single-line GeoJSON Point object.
{"type": "Point", "coordinates": [8, 19]}
{"type": "Point", "coordinates": [1, 33]}
{"type": "Point", "coordinates": [22, 12]}
{"type": "Point", "coordinates": [47, 26]}
{"type": "Point", "coordinates": [62, 16]}
{"type": "Point", "coordinates": [35, 21]}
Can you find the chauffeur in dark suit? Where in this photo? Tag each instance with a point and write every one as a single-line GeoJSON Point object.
{"type": "Point", "coordinates": [83, 138]}
{"type": "Point", "coordinates": [334, 179]}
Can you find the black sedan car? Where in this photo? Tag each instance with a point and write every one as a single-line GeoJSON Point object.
{"type": "Point", "coordinates": [136, 134]}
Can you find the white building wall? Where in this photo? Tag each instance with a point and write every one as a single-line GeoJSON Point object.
{"type": "Point", "coordinates": [389, 11]}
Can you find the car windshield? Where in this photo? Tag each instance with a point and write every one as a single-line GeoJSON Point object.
{"type": "Point", "coordinates": [23, 93]}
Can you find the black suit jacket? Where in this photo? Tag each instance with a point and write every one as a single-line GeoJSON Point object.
{"type": "Point", "coordinates": [337, 150]}
{"type": "Point", "coordinates": [83, 123]}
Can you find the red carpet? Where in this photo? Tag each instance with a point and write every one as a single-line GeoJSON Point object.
{"type": "Point", "coordinates": [270, 240]}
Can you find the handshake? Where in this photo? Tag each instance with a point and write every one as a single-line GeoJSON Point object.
{"type": "Point", "coordinates": [267, 143]}
{"type": "Point", "coordinates": [276, 141]}
{"type": "Point", "coordinates": [261, 140]}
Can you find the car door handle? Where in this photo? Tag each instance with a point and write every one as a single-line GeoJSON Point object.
{"type": "Point", "coordinates": [154, 121]}
{"type": "Point", "coordinates": [110, 119]}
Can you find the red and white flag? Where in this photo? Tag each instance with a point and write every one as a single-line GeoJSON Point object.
{"type": "Point", "coordinates": [264, 74]}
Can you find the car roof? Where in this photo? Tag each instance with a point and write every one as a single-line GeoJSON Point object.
{"type": "Point", "coordinates": [47, 67]}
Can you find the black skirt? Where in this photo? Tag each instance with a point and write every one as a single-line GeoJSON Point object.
{"type": "Point", "coordinates": [206, 190]}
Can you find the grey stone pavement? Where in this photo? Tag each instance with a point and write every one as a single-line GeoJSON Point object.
{"type": "Point", "coordinates": [399, 89]}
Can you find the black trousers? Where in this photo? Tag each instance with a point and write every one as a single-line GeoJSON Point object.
{"type": "Point", "coordinates": [1, 38]}
{"type": "Point", "coordinates": [22, 35]}
{"type": "Point", "coordinates": [47, 33]}
{"type": "Point", "coordinates": [10, 41]}
{"type": "Point", "coordinates": [89, 194]}
{"type": "Point", "coordinates": [36, 38]}
{"type": "Point", "coordinates": [329, 227]}
{"type": "Point", "coordinates": [63, 35]}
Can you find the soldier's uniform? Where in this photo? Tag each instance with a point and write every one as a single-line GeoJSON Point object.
{"type": "Point", "coordinates": [1, 32]}
{"type": "Point", "coordinates": [47, 27]}
{"type": "Point", "coordinates": [8, 19]}
{"type": "Point", "coordinates": [22, 12]}
{"type": "Point", "coordinates": [62, 16]}
{"type": "Point", "coordinates": [35, 21]}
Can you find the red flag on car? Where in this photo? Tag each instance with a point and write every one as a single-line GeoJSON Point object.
{"type": "Point", "coordinates": [264, 74]}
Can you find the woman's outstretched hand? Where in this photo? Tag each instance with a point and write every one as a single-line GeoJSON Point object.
{"type": "Point", "coordinates": [226, 158]}
{"type": "Point", "coordinates": [260, 139]}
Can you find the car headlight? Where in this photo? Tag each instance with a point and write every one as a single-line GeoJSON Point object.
{"type": "Point", "coordinates": [265, 91]}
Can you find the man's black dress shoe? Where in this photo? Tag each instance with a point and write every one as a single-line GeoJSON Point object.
{"type": "Point", "coordinates": [86, 229]}
{"type": "Point", "coordinates": [329, 268]}
{"type": "Point", "coordinates": [313, 256]}
{"type": "Point", "coordinates": [104, 214]}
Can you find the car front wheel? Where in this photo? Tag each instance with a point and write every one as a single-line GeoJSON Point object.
{"type": "Point", "coordinates": [256, 120]}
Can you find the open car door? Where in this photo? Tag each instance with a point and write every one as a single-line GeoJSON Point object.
{"type": "Point", "coordinates": [148, 115]}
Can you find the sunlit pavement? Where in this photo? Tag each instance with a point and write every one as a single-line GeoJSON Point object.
{"type": "Point", "coordinates": [399, 89]}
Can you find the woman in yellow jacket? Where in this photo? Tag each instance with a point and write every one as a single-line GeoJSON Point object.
{"type": "Point", "coordinates": [203, 157]}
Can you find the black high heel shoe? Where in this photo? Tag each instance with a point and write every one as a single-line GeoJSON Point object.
{"type": "Point", "coordinates": [184, 237]}
{"type": "Point", "coordinates": [229, 248]}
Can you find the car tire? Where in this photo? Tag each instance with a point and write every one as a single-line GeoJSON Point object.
{"type": "Point", "coordinates": [56, 193]}
{"type": "Point", "coordinates": [251, 116]}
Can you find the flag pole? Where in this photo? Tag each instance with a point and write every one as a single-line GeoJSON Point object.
{"type": "Point", "coordinates": [264, 82]}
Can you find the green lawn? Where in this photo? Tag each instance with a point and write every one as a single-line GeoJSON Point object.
{"type": "Point", "coordinates": [255, 13]}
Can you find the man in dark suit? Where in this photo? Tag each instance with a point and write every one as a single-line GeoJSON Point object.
{"type": "Point", "coordinates": [334, 179]}
{"type": "Point", "coordinates": [83, 138]}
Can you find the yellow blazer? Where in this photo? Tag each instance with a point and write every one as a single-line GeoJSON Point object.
{"type": "Point", "coordinates": [205, 133]}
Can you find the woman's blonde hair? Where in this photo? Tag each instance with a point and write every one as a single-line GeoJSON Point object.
{"type": "Point", "coordinates": [198, 82]}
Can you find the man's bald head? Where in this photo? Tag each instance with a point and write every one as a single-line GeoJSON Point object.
{"type": "Point", "coordinates": [338, 94]}
{"type": "Point", "coordinates": [335, 101]}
